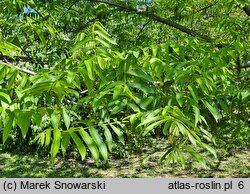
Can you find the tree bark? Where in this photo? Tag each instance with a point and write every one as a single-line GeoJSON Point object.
{"type": "Point", "coordinates": [246, 9]}
{"type": "Point", "coordinates": [155, 17]}
{"type": "Point", "coordinates": [19, 68]}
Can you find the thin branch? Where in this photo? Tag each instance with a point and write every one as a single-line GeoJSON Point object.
{"type": "Point", "coordinates": [22, 59]}
{"type": "Point", "coordinates": [237, 67]}
{"type": "Point", "coordinates": [157, 18]}
{"type": "Point", "coordinates": [184, 29]}
{"type": "Point", "coordinates": [72, 5]}
{"type": "Point", "coordinates": [19, 68]}
{"type": "Point", "coordinates": [86, 24]}
{"type": "Point", "coordinates": [142, 29]}
{"type": "Point", "coordinates": [39, 14]}
{"type": "Point", "coordinates": [205, 8]}
{"type": "Point", "coordinates": [121, 7]}
{"type": "Point", "coordinates": [16, 58]}
{"type": "Point", "coordinates": [246, 9]}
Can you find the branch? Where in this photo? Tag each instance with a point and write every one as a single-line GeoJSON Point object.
{"type": "Point", "coordinates": [86, 24]}
{"type": "Point", "coordinates": [72, 5]}
{"type": "Point", "coordinates": [21, 58]}
{"type": "Point", "coordinates": [157, 18]}
{"type": "Point", "coordinates": [246, 9]}
{"type": "Point", "coordinates": [205, 8]}
{"type": "Point", "coordinates": [184, 29]}
{"type": "Point", "coordinates": [19, 68]}
{"type": "Point", "coordinates": [141, 30]}
{"type": "Point", "coordinates": [236, 67]}
{"type": "Point", "coordinates": [16, 58]}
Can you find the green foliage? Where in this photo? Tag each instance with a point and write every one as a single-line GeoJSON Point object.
{"type": "Point", "coordinates": [100, 85]}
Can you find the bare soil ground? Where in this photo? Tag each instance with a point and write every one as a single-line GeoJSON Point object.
{"type": "Point", "coordinates": [235, 163]}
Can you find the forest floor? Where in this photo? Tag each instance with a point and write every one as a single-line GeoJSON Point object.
{"type": "Point", "coordinates": [233, 164]}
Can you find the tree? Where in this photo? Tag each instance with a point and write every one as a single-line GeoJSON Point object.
{"type": "Point", "coordinates": [98, 74]}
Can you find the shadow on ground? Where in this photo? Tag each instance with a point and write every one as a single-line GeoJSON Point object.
{"type": "Point", "coordinates": [236, 164]}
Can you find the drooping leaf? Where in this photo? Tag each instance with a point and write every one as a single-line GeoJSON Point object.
{"type": "Point", "coordinates": [134, 107]}
{"type": "Point", "coordinates": [40, 35]}
{"type": "Point", "coordinates": [144, 104]}
{"type": "Point", "coordinates": [23, 119]}
{"type": "Point", "coordinates": [191, 138]}
{"type": "Point", "coordinates": [182, 159]}
{"type": "Point", "coordinates": [99, 142]}
{"type": "Point", "coordinates": [105, 36]}
{"type": "Point", "coordinates": [55, 119]}
{"type": "Point", "coordinates": [208, 148]}
{"type": "Point", "coordinates": [180, 98]}
{"type": "Point", "coordinates": [8, 125]}
{"type": "Point", "coordinates": [102, 63]}
{"type": "Point", "coordinates": [101, 28]}
{"type": "Point", "coordinates": [118, 132]}
{"type": "Point", "coordinates": [130, 94]}
{"type": "Point", "coordinates": [202, 85]}
{"type": "Point", "coordinates": [108, 136]}
{"type": "Point", "coordinates": [90, 69]}
{"type": "Point", "coordinates": [66, 118]}
{"type": "Point", "coordinates": [12, 78]}
{"type": "Point", "coordinates": [89, 83]}
{"type": "Point", "coordinates": [194, 94]}
{"type": "Point", "coordinates": [167, 157]}
{"type": "Point", "coordinates": [39, 88]}
{"type": "Point", "coordinates": [224, 104]}
{"type": "Point", "coordinates": [55, 144]}
{"type": "Point", "coordinates": [65, 142]}
{"type": "Point", "coordinates": [37, 117]}
{"type": "Point", "coordinates": [153, 126]}
{"type": "Point", "coordinates": [194, 154]}
{"type": "Point", "coordinates": [80, 44]}
{"type": "Point", "coordinates": [117, 92]}
{"type": "Point", "coordinates": [167, 126]}
{"type": "Point", "coordinates": [90, 143]}
{"type": "Point", "coordinates": [197, 114]}
{"type": "Point", "coordinates": [140, 73]}
{"type": "Point", "coordinates": [48, 136]}
{"type": "Point", "coordinates": [143, 87]}
{"type": "Point", "coordinates": [150, 119]}
{"type": "Point", "coordinates": [5, 98]}
{"type": "Point", "coordinates": [79, 144]}
{"type": "Point", "coordinates": [213, 109]}
{"type": "Point", "coordinates": [103, 42]}
{"type": "Point", "coordinates": [51, 29]}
